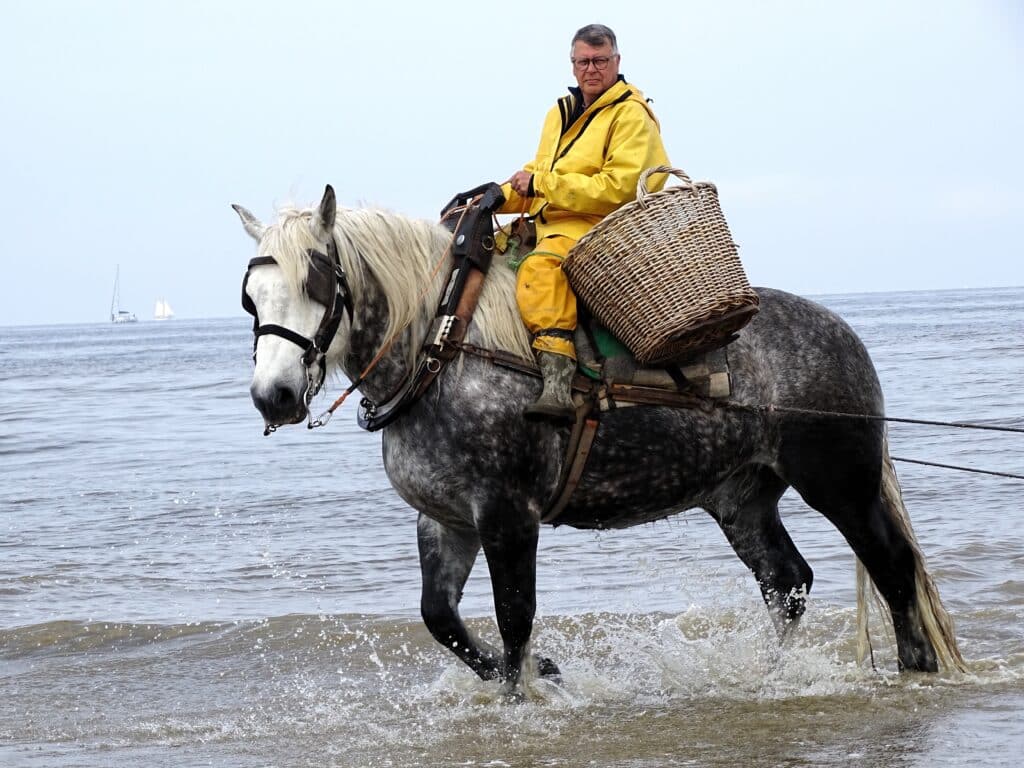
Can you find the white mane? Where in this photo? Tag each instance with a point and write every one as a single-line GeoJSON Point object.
{"type": "Point", "coordinates": [402, 255]}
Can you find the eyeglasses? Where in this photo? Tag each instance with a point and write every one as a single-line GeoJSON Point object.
{"type": "Point", "coordinates": [600, 63]}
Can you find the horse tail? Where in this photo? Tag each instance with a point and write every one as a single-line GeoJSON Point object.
{"type": "Point", "coordinates": [935, 620]}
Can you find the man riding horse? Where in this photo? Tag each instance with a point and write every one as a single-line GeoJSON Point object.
{"type": "Point", "coordinates": [593, 147]}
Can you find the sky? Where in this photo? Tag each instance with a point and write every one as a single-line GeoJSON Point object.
{"type": "Point", "coordinates": [857, 146]}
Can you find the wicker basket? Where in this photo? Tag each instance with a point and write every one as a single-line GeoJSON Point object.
{"type": "Point", "coordinates": [662, 273]}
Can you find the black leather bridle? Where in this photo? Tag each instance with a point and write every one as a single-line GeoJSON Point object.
{"type": "Point", "coordinates": [325, 283]}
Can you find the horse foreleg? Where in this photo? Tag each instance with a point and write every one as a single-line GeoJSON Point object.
{"type": "Point", "coordinates": [748, 515]}
{"type": "Point", "coordinates": [510, 546]}
{"type": "Point", "coordinates": [446, 559]}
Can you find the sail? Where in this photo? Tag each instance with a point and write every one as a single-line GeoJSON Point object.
{"type": "Point", "coordinates": [162, 310]}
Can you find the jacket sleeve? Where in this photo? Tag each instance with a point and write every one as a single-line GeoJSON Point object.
{"type": "Point", "coordinates": [634, 144]}
{"type": "Point", "coordinates": [515, 203]}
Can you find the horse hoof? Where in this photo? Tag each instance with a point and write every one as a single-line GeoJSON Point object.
{"type": "Point", "coordinates": [547, 669]}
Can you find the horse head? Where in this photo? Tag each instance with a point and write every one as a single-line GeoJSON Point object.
{"type": "Point", "coordinates": [383, 273]}
{"type": "Point", "coordinates": [298, 295]}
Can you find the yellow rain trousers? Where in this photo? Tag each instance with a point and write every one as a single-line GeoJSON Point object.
{"type": "Point", "coordinates": [545, 299]}
{"type": "Point", "coordinates": [587, 165]}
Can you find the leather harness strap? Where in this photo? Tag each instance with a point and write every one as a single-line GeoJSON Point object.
{"type": "Point", "coordinates": [449, 337]}
{"type": "Point", "coordinates": [597, 397]}
{"type": "Point", "coordinates": [472, 251]}
{"type": "Point", "coordinates": [577, 453]}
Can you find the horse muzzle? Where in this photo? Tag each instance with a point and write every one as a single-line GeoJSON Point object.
{"type": "Point", "coordinates": [279, 404]}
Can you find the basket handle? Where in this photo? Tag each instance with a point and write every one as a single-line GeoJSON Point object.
{"type": "Point", "coordinates": [641, 185]}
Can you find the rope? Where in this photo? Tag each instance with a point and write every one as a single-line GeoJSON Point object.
{"type": "Point", "coordinates": [926, 422]}
{"type": "Point", "coordinates": [769, 408]}
{"type": "Point", "coordinates": [961, 469]}
{"type": "Point", "coordinates": [872, 417]}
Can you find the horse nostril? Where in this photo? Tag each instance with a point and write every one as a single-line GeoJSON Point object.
{"type": "Point", "coordinates": [283, 399]}
{"type": "Point", "coordinates": [279, 404]}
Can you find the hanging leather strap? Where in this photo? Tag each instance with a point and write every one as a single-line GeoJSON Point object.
{"type": "Point", "coordinates": [472, 252]}
{"type": "Point", "coordinates": [580, 441]}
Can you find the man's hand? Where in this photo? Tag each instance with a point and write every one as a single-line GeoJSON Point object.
{"type": "Point", "coordinates": [520, 181]}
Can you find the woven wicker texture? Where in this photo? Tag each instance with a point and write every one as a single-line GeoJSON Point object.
{"type": "Point", "coordinates": [663, 273]}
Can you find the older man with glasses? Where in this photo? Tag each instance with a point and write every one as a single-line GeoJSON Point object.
{"type": "Point", "coordinates": [593, 147]}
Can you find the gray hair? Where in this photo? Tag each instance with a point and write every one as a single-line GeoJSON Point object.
{"type": "Point", "coordinates": [595, 35]}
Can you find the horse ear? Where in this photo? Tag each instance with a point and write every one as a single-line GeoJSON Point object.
{"type": "Point", "coordinates": [251, 223]}
{"type": "Point", "coordinates": [328, 210]}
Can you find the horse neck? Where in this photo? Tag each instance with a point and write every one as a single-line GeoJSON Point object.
{"type": "Point", "coordinates": [384, 359]}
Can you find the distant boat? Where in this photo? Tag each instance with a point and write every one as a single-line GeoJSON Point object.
{"type": "Point", "coordinates": [118, 315]}
{"type": "Point", "coordinates": [162, 310]}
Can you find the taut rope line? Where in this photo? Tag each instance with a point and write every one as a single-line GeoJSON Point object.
{"type": "Point", "coordinates": [961, 469]}
{"type": "Point", "coordinates": [925, 422]}
{"type": "Point", "coordinates": [870, 417]}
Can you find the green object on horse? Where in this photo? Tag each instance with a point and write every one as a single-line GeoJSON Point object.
{"type": "Point", "coordinates": [512, 258]}
{"type": "Point", "coordinates": [608, 348]}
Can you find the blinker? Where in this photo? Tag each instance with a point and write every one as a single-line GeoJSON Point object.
{"type": "Point", "coordinates": [326, 284]}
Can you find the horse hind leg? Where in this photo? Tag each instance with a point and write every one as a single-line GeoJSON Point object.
{"type": "Point", "coordinates": [747, 511]}
{"type": "Point", "coordinates": [892, 561]}
{"type": "Point", "coordinates": [926, 615]}
{"type": "Point", "coordinates": [876, 525]}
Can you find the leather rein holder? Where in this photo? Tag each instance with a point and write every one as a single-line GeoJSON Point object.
{"type": "Point", "coordinates": [472, 253]}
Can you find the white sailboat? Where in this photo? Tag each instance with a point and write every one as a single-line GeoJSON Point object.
{"type": "Point", "coordinates": [118, 315]}
{"type": "Point", "coordinates": [162, 310]}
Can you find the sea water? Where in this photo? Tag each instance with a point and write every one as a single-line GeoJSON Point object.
{"type": "Point", "coordinates": [178, 590]}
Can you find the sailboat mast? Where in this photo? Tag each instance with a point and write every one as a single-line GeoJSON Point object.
{"type": "Point", "coordinates": [115, 300]}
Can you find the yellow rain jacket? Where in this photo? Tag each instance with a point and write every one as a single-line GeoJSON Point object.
{"type": "Point", "coordinates": [585, 168]}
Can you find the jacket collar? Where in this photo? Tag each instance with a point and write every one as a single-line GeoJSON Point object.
{"type": "Point", "coordinates": [577, 95]}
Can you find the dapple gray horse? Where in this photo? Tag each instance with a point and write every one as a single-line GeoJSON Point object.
{"type": "Point", "coordinates": [479, 475]}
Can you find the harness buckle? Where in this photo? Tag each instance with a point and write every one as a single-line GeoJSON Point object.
{"type": "Point", "coordinates": [445, 328]}
{"type": "Point", "coordinates": [314, 382]}
{"type": "Point", "coordinates": [321, 420]}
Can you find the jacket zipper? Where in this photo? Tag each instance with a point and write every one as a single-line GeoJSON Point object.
{"type": "Point", "coordinates": [565, 111]}
{"type": "Point", "coordinates": [586, 125]}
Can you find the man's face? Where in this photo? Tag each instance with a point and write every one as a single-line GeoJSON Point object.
{"type": "Point", "coordinates": [591, 80]}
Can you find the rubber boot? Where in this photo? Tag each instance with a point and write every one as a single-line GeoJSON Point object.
{"type": "Point", "coordinates": [555, 402]}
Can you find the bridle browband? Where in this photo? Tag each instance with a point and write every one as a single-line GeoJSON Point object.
{"type": "Point", "coordinates": [325, 283]}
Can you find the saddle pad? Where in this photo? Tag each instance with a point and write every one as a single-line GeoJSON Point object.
{"type": "Point", "coordinates": [705, 373]}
